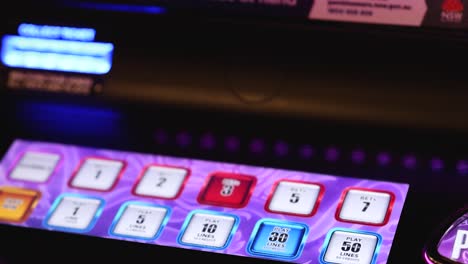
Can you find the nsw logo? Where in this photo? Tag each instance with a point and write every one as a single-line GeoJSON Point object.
{"type": "Point", "coordinates": [452, 11]}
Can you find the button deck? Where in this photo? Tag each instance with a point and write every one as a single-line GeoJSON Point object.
{"type": "Point", "coordinates": [252, 212]}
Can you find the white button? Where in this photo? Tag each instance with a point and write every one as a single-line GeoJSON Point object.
{"type": "Point", "coordinates": [362, 206]}
{"type": "Point", "coordinates": [294, 198]}
{"type": "Point", "coordinates": [349, 247]}
{"type": "Point", "coordinates": [35, 167]}
{"type": "Point", "coordinates": [74, 213]}
{"type": "Point", "coordinates": [208, 230]}
{"type": "Point", "coordinates": [163, 182]}
{"type": "Point", "coordinates": [97, 174]}
{"type": "Point", "coordinates": [141, 221]}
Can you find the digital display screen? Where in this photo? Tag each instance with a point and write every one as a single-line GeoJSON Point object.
{"type": "Point", "coordinates": [56, 48]}
{"type": "Point", "coordinates": [233, 209]}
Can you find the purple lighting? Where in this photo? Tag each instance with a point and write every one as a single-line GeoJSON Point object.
{"type": "Point", "coordinates": [383, 158]}
{"type": "Point", "coordinates": [358, 156]}
{"type": "Point", "coordinates": [207, 141]}
{"type": "Point", "coordinates": [306, 152]}
{"type": "Point", "coordinates": [332, 154]}
{"type": "Point", "coordinates": [462, 166]}
{"type": "Point", "coordinates": [183, 139]}
{"type": "Point", "coordinates": [428, 260]}
{"type": "Point", "coordinates": [257, 146]}
{"type": "Point", "coordinates": [160, 136]}
{"type": "Point", "coordinates": [409, 162]}
{"type": "Point", "coordinates": [281, 148]}
{"type": "Point", "coordinates": [232, 143]}
{"type": "Point", "coordinates": [437, 164]}
{"type": "Point", "coordinates": [184, 206]}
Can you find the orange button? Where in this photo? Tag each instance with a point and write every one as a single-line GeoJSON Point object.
{"type": "Point", "coordinates": [17, 203]}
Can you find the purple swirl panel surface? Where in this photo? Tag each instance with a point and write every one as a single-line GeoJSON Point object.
{"type": "Point", "coordinates": [341, 203]}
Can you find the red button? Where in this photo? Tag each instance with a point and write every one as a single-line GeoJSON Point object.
{"type": "Point", "coordinates": [227, 189]}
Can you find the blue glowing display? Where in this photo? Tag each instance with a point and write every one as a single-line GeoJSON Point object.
{"type": "Point", "coordinates": [56, 54]}
{"type": "Point", "coordinates": [56, 32]}
{"type": "Point", "coordinates": [149, 9]}
{"type": "Point", "coordinates": [59, 120]}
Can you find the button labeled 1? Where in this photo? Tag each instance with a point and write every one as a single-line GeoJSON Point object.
{"type": "Point", "coordinates": [295, 198]}
{"type": "Point", "coordinates": [365, 206]}
{"type": "Point", "coordinates": [208, 229]}
{"type": "Point", "coordinates": [161, 182]}
{"type": "Point", "coordinates": [97, 174]}
{"type": "Point", "coordinates": [349, 246]}
{"type": "Point", "coordinates": [35, 167]}
{"type": "Point", "coordinates": [140, 220]}
{"type": "Point", "coordinates": [75, 213]}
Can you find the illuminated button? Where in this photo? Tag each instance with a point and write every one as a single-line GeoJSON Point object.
{"type": "Point", "coordinates": [277, 239]}
{"type": "Point", "coordinates": [347, 246]}
{"type": "Point", "coordinates": [74, 213]}
{"type": "Point", "coordinates": [449, 243]}
{"type": "Point", "coordinates": [295, 198]}
{"type": "Point", "coordinates": [208, 229]}
{"type": "Point", "coordinates": [139, 220]}
{"type": "Point", "coordinates": [161, 182]}
{"type": "Point", "coordinates": [17, 203]}
{"type": "Point", "coordinates": [98, 174]}
{"type": "Point", "coordinates": [227, 189]}
{"type": "Point", "coordinates": [35, 167]}
{"type": "Point", "coordinates": [365, 206]}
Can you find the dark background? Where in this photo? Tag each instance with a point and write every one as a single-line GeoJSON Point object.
{"type": "Point", "coordinates": [348, 87]}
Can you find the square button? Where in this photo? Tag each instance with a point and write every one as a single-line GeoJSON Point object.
{"type": "Point", "coordinates": [161, 182]}
{"type": "Point", "coordinates": [278, 239]}
{"type": "Point", "coordinates": [35, 166]}
{"type": "Point", "coordinates": [17, 203]}
{"type": "Point", "coordinates": [140, 220]}
{"type": "Point", "coordinates": [208, 229]}
{"type": "Point", "coordinates": [227, 189]}
{"type": "Point", "coordinates": [349, 246]}
{"type": "Point", "coordinates": [365, 206]}
{"type": "Point", "coordinates": [295, 198]}
{"type": "Point", "coordinates": [97, 174]}
{"type": "Point", "coordinates": [74, 213]}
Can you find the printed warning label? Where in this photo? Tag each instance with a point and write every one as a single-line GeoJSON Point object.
{"type": "Point", "coordinates": [393, 12]}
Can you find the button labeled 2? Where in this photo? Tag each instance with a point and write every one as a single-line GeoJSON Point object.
{"type": "Point", "coordinates": [97, 174]}
{"type": "Point", "coordinates": [161, 182]}
{"type": "Point", "coordinates": [365, 206]}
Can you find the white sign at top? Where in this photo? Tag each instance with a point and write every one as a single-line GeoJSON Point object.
{"type": "Point", "coordinates": [391, 12]}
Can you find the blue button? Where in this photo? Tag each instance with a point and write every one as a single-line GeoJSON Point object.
{"type": "Point", "coordinates": [277, 239]}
